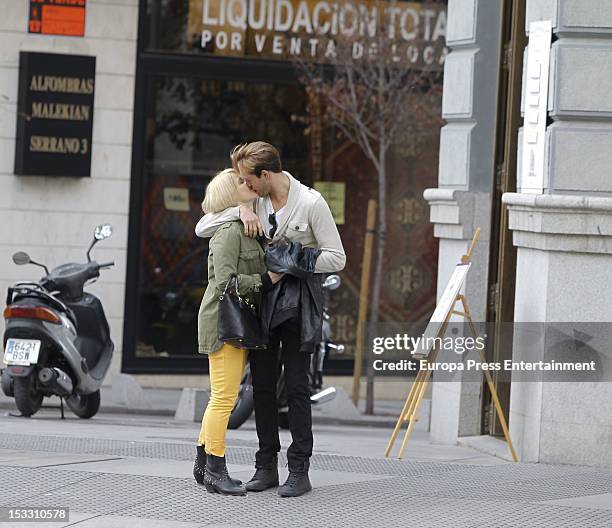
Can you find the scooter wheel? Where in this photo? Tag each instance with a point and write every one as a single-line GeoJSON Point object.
{"type": "Point", "coordinates": [27, 398]}
{"type": "Point", "coordinates": [243, 408]}
{"type": "Point", "coordinates": [84, 405]}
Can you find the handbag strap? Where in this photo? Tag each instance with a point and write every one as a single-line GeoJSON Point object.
{"type": "Point", "coordinates": [233, 276]}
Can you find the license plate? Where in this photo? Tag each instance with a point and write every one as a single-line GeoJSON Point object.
{"type": "Point", "coordinates": [21, 351]}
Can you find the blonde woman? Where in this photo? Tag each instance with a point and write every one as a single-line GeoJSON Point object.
{"type": "Point", "coordinates": [230, 251]}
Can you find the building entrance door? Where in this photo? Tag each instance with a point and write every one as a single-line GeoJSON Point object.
{"type": "Point", "coordinates": [502, 259]}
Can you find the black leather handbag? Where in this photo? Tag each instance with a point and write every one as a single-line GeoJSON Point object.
{"type": "Point", "coordinates": [239, 324]}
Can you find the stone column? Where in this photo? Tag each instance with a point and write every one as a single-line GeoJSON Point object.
{"type": "Point", "coordinates": [564, 236]}
{"type": "Point", "coordinates": [462, 200]}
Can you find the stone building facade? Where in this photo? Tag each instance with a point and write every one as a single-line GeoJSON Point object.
{"type": "Point", "coordinates": [562, 236]}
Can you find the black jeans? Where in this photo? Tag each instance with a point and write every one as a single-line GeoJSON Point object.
{"type": "Point", "coordinates": [264, 368]}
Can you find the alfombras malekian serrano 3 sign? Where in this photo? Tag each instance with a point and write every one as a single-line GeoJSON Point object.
{"type": "Point", "coordinates": [54, 114]}
{"type": "Point", "coordinates": [312, 29]}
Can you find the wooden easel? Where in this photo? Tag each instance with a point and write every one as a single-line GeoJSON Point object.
{"type": "Point", "coordinates": [410, 411]}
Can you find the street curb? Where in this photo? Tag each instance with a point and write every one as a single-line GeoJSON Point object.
{"type": "Point", "coordinates": [110, 409]}
{"type": "Point", "coordinates": [380, 422]}
{"type": "Point", "coordinates": [365, 422]}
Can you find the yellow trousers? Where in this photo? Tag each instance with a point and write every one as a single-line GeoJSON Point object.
{"type": "Point", "coordinates": [226, 367]}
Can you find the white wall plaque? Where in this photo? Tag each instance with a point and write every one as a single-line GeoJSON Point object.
{"type": "Point", "coordinates": [531, 174]}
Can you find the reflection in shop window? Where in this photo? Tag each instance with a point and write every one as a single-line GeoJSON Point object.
{"type": "Point", "coordinates": [193, 124]}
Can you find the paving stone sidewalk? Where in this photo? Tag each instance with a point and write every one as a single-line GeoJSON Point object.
{"type": "Point", "coordinates": [135, 471]}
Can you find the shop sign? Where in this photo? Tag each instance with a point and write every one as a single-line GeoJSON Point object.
{"type": "Point", "coordinates": [57, 17]}
{"type": "Point", "coordinates": [335, 196]}
{"type": "Point", "coordinates": [54, 114]}
{"type": "Point", "coordinates": [312, 29]}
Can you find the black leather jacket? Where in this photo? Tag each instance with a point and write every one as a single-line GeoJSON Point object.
{"type": "Point", "coordinates": [296, 298]}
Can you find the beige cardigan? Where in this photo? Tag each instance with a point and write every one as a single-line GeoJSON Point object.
{"type": "Point", "coordinates": [307, 219]}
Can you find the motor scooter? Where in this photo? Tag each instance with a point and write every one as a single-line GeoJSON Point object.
{"type": "Point", "coordinates": [57, 340]}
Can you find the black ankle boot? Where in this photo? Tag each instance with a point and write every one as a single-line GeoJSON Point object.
{"type": "Point", "coordinates": [217, 479]}
{"type": "Point", "coordinates": [297, 482]}
{"type": "Point", "coordinates": [200, 465]}
{"type": "Point", "coordinates": [265, 477]}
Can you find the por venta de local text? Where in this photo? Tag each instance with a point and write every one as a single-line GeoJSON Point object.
{"type": "Point", "coordinates": [460, 345]}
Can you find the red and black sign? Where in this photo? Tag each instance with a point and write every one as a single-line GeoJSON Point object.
{"type": "Point", "coordinates": [54, 114]}
{"type": "Point", "coordinates": [57, 17]}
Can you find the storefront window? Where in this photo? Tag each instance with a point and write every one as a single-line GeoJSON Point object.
{"type": "Point", "coordinates": [194, 104]}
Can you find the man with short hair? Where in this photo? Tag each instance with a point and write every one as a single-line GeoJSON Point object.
{"type": "Point", "coordinates": [285, 209]}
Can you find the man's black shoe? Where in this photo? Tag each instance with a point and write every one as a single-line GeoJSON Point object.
{"type": "Point", "coordinates": [265, 477]}
{"type": "Point", "coordinates": [297, 482]}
